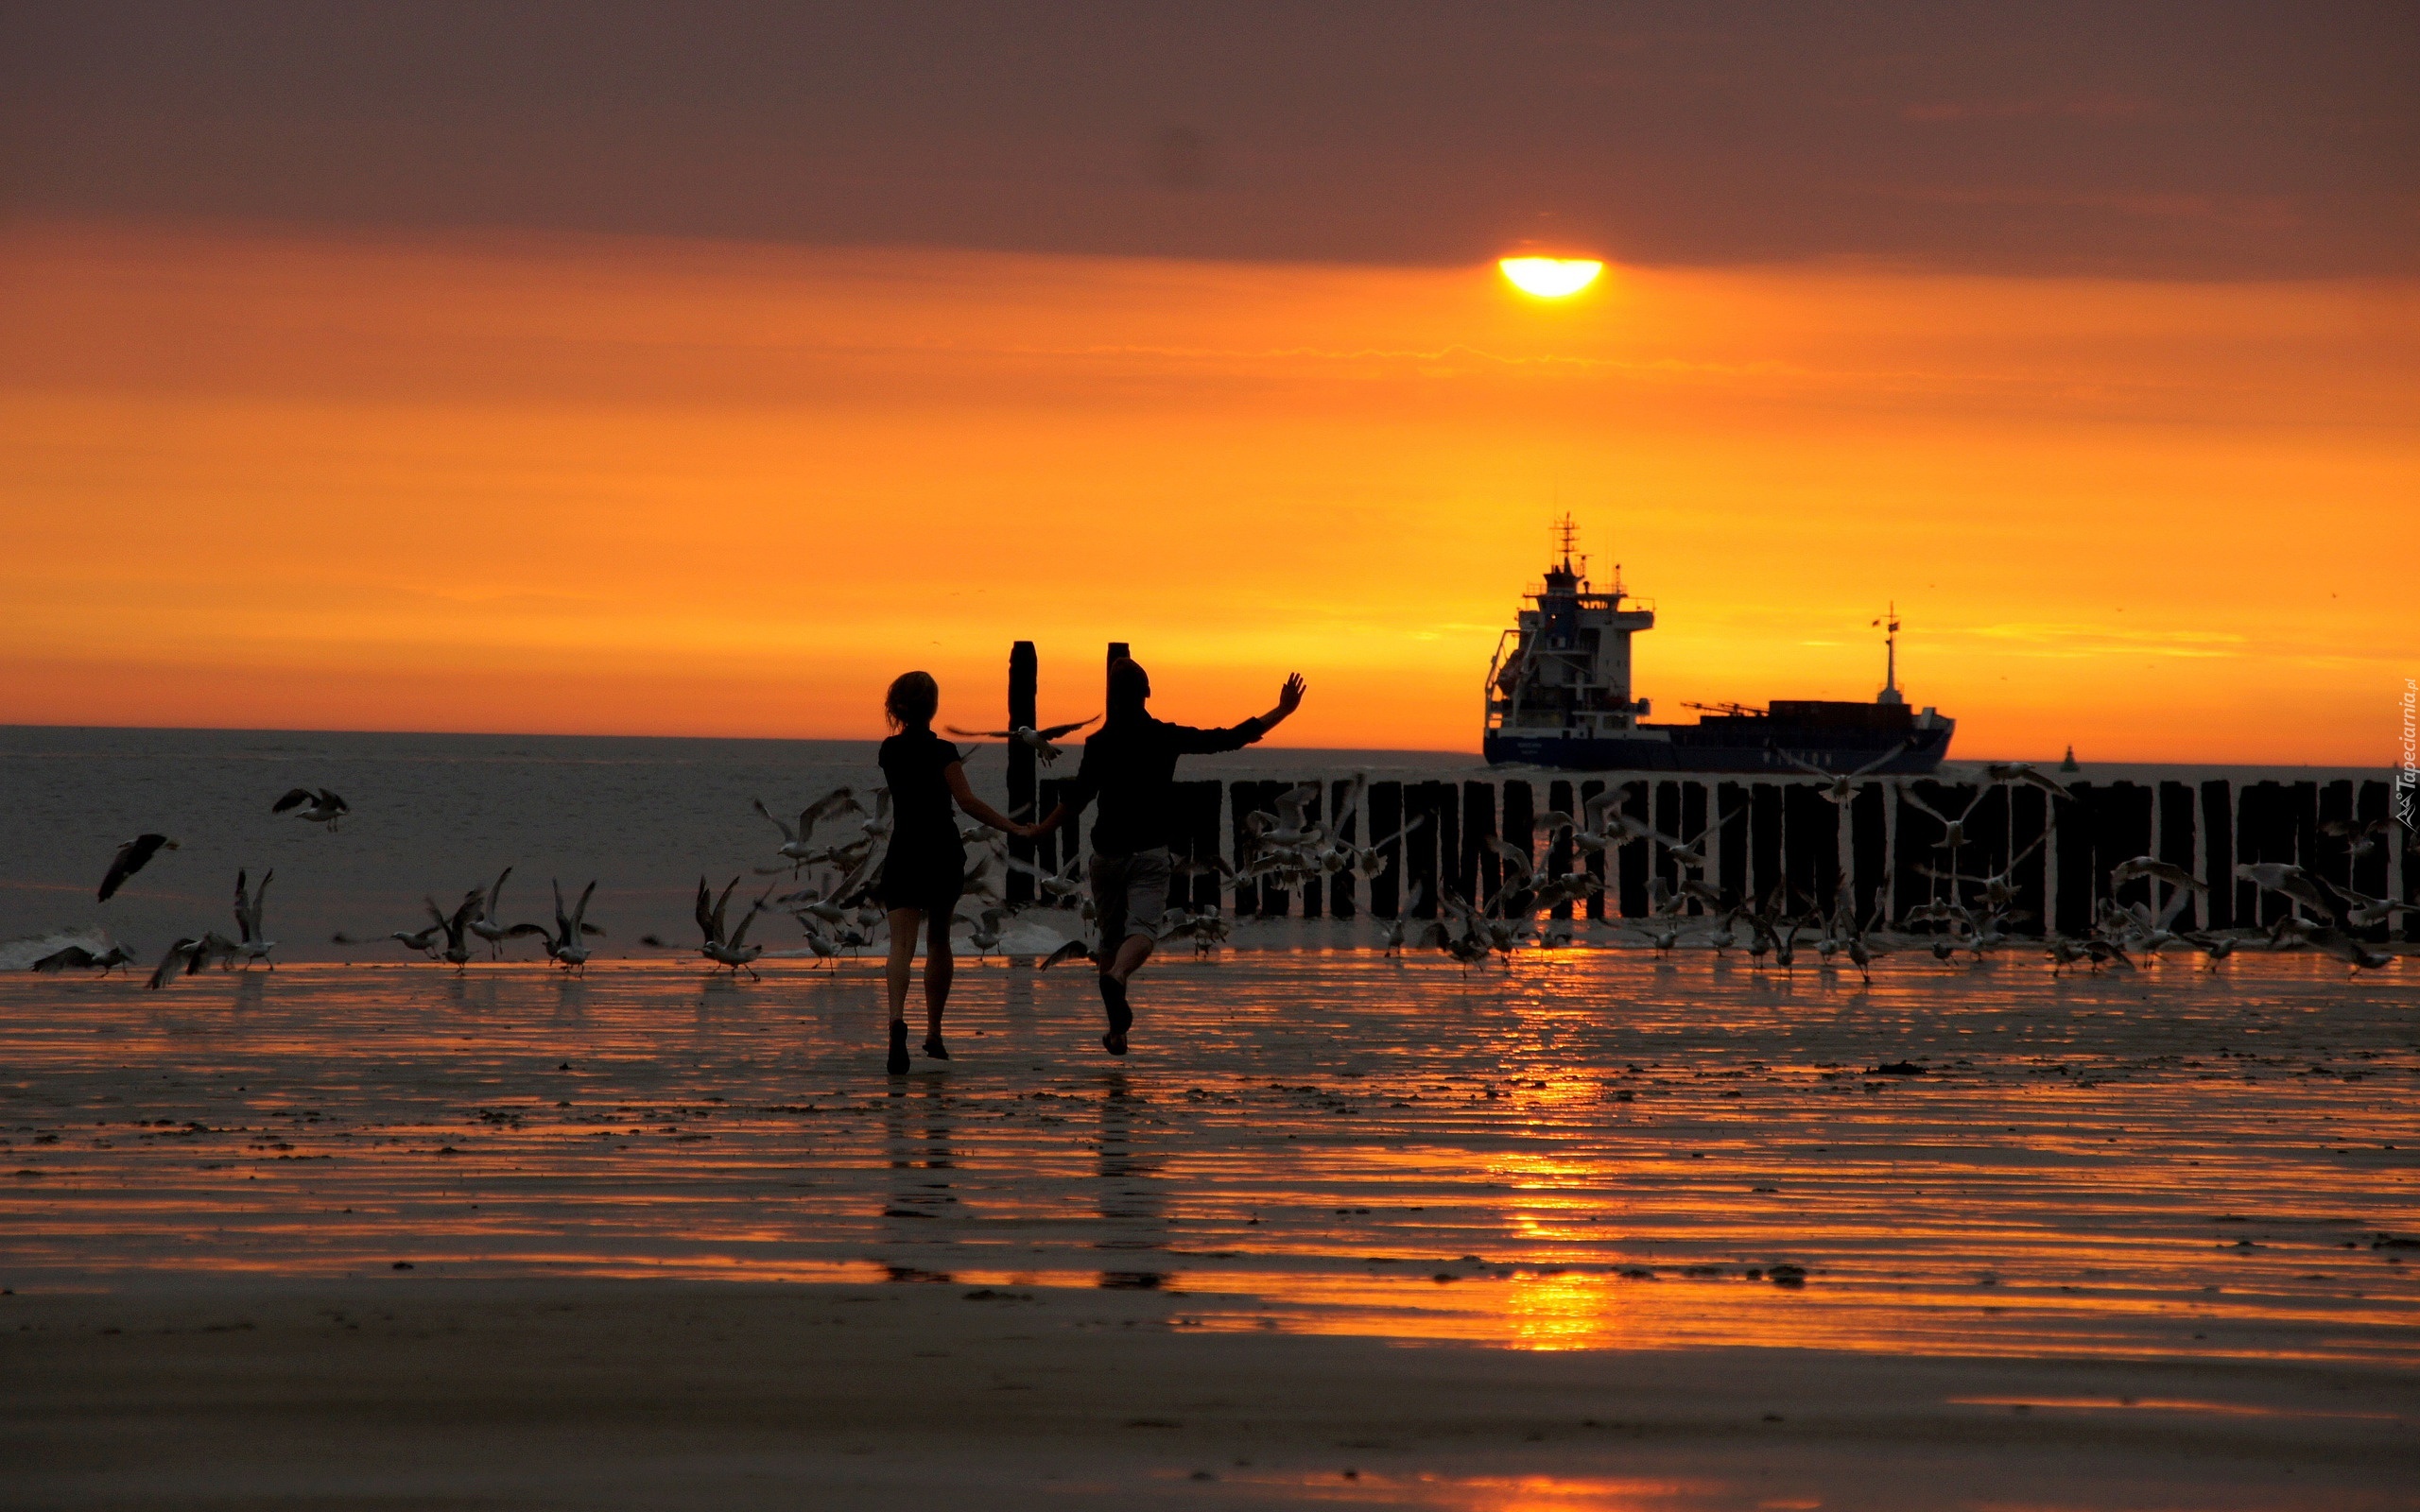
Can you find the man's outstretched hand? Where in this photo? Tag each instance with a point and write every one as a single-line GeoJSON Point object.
{"type": "Point", "coordinates": [1291, 698]}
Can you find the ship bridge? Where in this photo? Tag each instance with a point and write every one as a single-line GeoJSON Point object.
{"type": "Point", "coordinates": [1564, 666]}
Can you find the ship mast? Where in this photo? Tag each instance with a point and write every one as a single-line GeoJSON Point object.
{"type": "Point", "coordinates": [1891, 656]}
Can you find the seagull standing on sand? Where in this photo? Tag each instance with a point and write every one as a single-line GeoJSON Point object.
{"type": "Point", "coordinates": [731, 949]}
{"type": "Point", "coordinates": [133, 857]}
{"type": "Point", "coordinates": [321, 807]}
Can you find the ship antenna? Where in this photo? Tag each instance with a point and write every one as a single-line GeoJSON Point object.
{"type": "Point", "coordinates": [1567, 531]}
{"type": "Point", "coordinates": [1891, 655]}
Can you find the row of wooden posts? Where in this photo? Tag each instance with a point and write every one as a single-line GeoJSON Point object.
{"type": "Point", "coordinates": [1781, 839]}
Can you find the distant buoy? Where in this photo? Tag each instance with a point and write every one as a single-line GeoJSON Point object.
{"type": "Point", "coordinates": [2069, 765]}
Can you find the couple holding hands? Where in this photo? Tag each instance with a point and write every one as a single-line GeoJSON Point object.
{"type": "Point", "coordinates": [1128, 766]}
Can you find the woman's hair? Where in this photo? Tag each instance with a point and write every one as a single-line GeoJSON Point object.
{"type": "Point", "coordinates": [1129, 685]}
{"type": "Point", "coordinates": [912, 699]}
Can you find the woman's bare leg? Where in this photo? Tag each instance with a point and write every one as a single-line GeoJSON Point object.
{"type": "Point", "coordinates": [940, 966]}
{"type": "Point", "coordinates": [905, 923]}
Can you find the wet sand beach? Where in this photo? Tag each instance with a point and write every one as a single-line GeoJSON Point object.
{"type": "Point", "coordinates": [402, 1235]}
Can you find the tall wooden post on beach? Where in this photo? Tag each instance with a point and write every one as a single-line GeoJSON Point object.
{"type": "Point", "coordinates": [1023, 692]}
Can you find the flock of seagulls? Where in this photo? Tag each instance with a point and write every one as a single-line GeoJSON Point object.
{"type": "Point", "coordinates": [833, 862]}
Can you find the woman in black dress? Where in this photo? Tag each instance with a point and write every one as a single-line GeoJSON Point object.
{"type": "Point", "coordinates": [927, 866]}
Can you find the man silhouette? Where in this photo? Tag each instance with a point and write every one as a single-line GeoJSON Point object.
{"type": "Point", "coordinates": [1129, 765]}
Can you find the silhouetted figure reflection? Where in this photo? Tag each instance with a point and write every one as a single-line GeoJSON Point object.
{"type": "Point", "coordinates": [919, 1136]}
{"type": "Point", "coordinates": [1132, 1199]}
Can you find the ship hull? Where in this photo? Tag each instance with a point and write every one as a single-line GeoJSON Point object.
{"type": "Point", "coordinates": [1696, 749]}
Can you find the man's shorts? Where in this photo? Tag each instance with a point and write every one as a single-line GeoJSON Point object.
{"type": "Point", "coordinates": [1129, 893]}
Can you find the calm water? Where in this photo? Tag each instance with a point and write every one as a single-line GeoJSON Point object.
{"type": "Point", "coordinates": [432, 815]}
{"type": "Point", "coordinates": [438, 814]}
{"type": "Point", "coordinates": [1592, 1149]}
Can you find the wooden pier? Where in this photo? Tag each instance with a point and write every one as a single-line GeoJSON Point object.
{"type": "Point", "coordinates": [1783, 837]}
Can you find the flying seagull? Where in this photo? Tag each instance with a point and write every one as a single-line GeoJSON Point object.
{"type": "Point", "coordinates": [321, 807]}
{"type": "Point", "coordinates": [133, 857]}
{"type": "Point", "coordinates": [77, 957]}
{"type": "Point", "coordinates": [252, 944]}
{"type": "Point", "coordinates": [1039, 740]}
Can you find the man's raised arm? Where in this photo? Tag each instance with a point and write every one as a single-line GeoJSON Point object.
{"type": "Point", "coordinates": [1194, 742]}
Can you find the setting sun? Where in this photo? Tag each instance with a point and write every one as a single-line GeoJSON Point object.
{"type": "Point", "coordinates": [1551, 278]}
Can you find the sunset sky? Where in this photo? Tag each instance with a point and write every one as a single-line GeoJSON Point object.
{"type": "Point", "coordinates": [591, 373]}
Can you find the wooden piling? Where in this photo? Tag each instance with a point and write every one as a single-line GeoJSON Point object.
{"type": "Point", "coordinates": [2218, 854]}
{"type": "Point", "coordinates": [1870, 857]}
{"type": "Point", "coordinates": [2074, 885]}
{"type": "Point", "coordinates": [1693, 806]}
{"type": "Point", "coordinates": [1350, 827]}
{"type": "Point", "coordinates": [1023, 692]}
{"type": "Point", "coordinates": [1519, 821]}
{"type": "Point", "coordinates": [2029, 818]}
{"type": "Point", "coordinates": [1197, 806]}
{"type": "Point", "coordinates": [1560, 850]}
{"type": "Point", "coordinates": [2369, 870]}
{"type": "Point", "coordinates": [1667, 809]}
{"type": "Point", "coordinates": [1243, 796]}
{"type": "Point", "coordinates": [2175, 842]}
{"type": "Point", "coordinates": [2122, 831]}
{"type": "Point", "coordinates": [1767, 873]}
{"type": "Point", "coordinates": [1482, 867]}
{"type": "Point", "coordinates": [1595, 864]}
{"type": "Point", "coordinates": [1420, 848]}
{"type": "Point", "coordinates": [1631, 860]}
{"type": "Point", "coordinates": [1314, 888]}
{"type": "Point", "coordinates": [1811, 827]}
{"type": "Point", "coordinates": [1731, 847]}
{"type": "Point", "coordinates": [1384, 802]}
{"type": "Point", "coordinates": [1447, 822]}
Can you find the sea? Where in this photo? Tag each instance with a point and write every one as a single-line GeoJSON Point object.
{"type": "Point", "coordinates": [436, 814]}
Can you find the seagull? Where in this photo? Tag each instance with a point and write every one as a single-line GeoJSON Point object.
{"type": "Point", "coordinates": [456, 927]}
{"type": "Point", "coordinates": [564, 944]}
{"type": "Point", "coordinates": [422, 941]}
{"type": "Point", "coordinates": [984, 935]}
{"type": "Point", "coordinates": [322, 807]}
{"type": "Point", "coordinates": [133, 857]}
{"type": "Point", "coordinates": [1840, 786]}
{"type": "Point", "coordinates": [2350, 950]}
{"type": "Point", "coordinates": [1691, 852]}
{"type": "Point", "coordinates": [183, 960]}
{"type": "Point", "coordinates": [733, 949]}
{"type": "Point", "coordinates": [1055, 886]}
{"type": "Point", "coordinates": [2365, 837]}
{"type": "Point", "coordinates": [2290, 881]}
{"type": "Point", "coordinates": [796, 848]}
{"type": "Point", "coordinates": [2015, 772]}
{"type": "Point", "coordinates": [2361, 910]}
{"type": "Point", "coordinates": [1953, 831]}
{"type": "Point", "coordinates": [1073, 949]}
{"type": "Point", "coordinates": [2167, 871]}
{"type": "Point", "coordinates": [254, 947]}
{"type": "Point", "coordinates": [485, 925]}
{"type": "Point", "coordinates": [1038, 741]}
{"type": "Point", "coordinates": [190, 955]}
{"type": "Point", "coordinates": [79, 958]}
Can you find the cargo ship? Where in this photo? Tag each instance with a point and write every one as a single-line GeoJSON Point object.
{"type": "Point", "coordinates": [1558, 696]}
